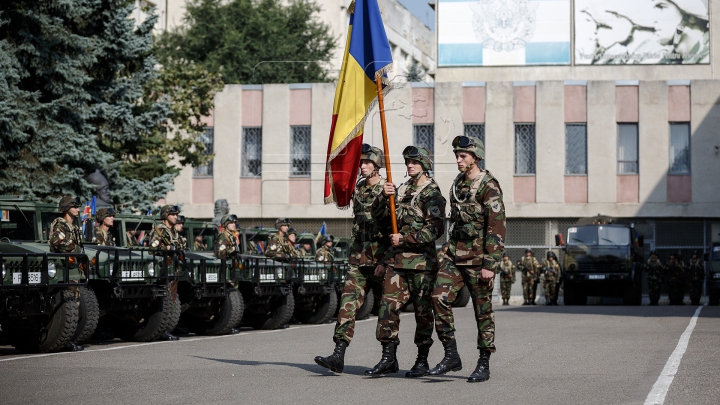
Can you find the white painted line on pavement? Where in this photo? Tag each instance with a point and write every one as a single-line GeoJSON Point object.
{"type": "Point", "coordinates": [662, 385]}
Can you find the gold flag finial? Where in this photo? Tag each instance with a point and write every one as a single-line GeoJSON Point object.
{"type": "Point", "coordinates": [351, 7]}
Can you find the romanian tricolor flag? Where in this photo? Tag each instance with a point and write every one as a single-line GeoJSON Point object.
{"type": "Point", "coordinates": [367, 56]}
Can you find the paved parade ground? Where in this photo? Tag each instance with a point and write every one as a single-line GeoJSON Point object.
{"type": "Point", "coordinates": [546, 355]}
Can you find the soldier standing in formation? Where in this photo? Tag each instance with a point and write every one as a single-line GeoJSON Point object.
{"type": "Point", "coordinates": [655, 270]}
{"type": "Point", "coordinates": [410, 265]}
{"type": "Point", "coordinates": [371, 219]}
{"type": "Point", "coordinates": [675, 271]}
{"type": "Point", "coordinates": [696, 276]}
{"type": "Point", "coordinates": [105, 220]}
{"type": "Point", "coordinates": [507, 277]}
{"type": "Point", "coordinates": [477, 241]}
{"type": "Point", "coordinates": [65, 237]}
{"type": "Point", "coordinates": [553, 273]}
{"type": "Point", "coordinates": [227, 242]}
{"type": "Point", "coordinates": [179, 225]}
{"type": "Point", "coordinates": [278, 246]}
{"type": "Point", "coordinates": [325, 253]}
{"type": "Point", "coordinates": [529, 267]}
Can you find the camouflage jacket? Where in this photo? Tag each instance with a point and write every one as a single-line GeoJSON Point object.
{"type": "Point", "coordinates": [226, 245]}
{"type": "Point", "coordinates": [530, 267]}
{"type": "Point", "coordinates": [182, 241]}
{"type": "Point", "coordinates": [163, 237]}
{"type": "Point", "coordinates": [64, 237]}
{"type": "Point", "coordinates": [280, 248]}
{"type": "Point", "coordinates": [552, 270]}
{"type": "Point", "coordinates": [371, 224]}
{"type": "Point", "coordinates": [655, 269]}
{"type": "Point", "coordinates": [506, 270]}
{"type": "Point", "coordinates": [131, 239]}
{"type": "Point", "coordinates": [695, 270]}
{"type": "Point", "coordinates": [324, 255]}
{"type": "Point", "coordinates": [103, 237]}
{"type": "Point", "coordinates": [675, 270]}
{"type": "Point", "coordinates": [420, 212]}
{"type": "Point", "coordinates": [477, 218]}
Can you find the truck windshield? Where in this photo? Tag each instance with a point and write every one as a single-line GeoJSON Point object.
{"type": "Point", "coordinates": [599, 236]}
{"type": "Point", "coordinates": [14, 225]}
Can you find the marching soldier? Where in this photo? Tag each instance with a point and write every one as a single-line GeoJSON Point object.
{"type": "Point", "coordinates": [182, 240]}
{"type": "Point", "coordinates": [675, 270]}
{"type": "Point", "coordinates": [477, 241]}
{"type": "Point", "coordinates": [410, 265]}
{"type": "Point", "coordinates": [325, 253]}
{"type": "Point", "coordinates": [507, 277]}
{"type": "Point", "coordinates": [529, 267]}
{"type": "Point", "coordinates": [371, 220]}
{"type": "Point", "coordinates": [65, 237]}
{"type": "Point", "coordinates": [105, 219]}
{"type": "Point", "coordinates": [655, 270]}
{"type": "Point", "coordinates": [279, 247]}
{"type": "Point", "coordinates": [696, 276]}
{"type": "Point", "coordinates": [553, 273]}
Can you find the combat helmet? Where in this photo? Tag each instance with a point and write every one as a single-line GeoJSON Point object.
{"type": "Point", "coordinates": [181, 219]}
{"type": "Point", "coordinates": [692, 8]}
{"type": "Point", "coordinates": [327, 238]}
{"type": "Point", "coordinates": [282, 221]}
{"type": "Point", "coordinates": [169, 210]}
{"type": "Point", "coordinates": [420, 154]}
{"type": "Point", "coordinates": [292, 231]}
{"type": "Point", "coordinates": [505, 254]}
{"type": "Point", "coordinates": [227, 218]}
{"type": "Point", "coordinates": [103, 213]}
{"type": "Point", "coordinates": [68, 202]}
{"type": "Point", "coordinates": [469, 144]}
{"type": "Point", "coordinates": [374, 155]}
{"type": "Point", "coordinates": [528, 250]}
{"type": "Point", "coordinates": [551, 254]}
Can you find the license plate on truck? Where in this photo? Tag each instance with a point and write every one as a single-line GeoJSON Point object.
{"type": "Point", "coordinates": [596, 277]}
{"type": "Point", "coordinates": [33, 278]}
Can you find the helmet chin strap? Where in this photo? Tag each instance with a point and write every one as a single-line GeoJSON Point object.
{"type": "Point", "coordinates": [468, 167]}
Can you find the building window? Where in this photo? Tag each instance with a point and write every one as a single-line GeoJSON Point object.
{"type": "Point", "coordinates": [575, 148]}
{"type": "Point", "coordinates": [300, 151]}
{"type": "Point", "coordinates": [627, 149]}
{"type": "Point", "coordinates": [524, 149]}
{"type": "Point", "coordinates": [680, 148]}
{"type": "Point", "coordinates": [476, 131]}
{"type": "Point", "coordinates": [252, 152]}
{"type": "Point", "coordinates": [424, 135]}
{"type": "Point", "coordinates": [208, 139]}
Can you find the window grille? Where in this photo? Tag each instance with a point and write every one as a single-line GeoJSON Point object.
{"type": "Point", "coordinates": [575, 148]}
{"type": "Point", "coordinates": [627, 149]}
{"type": "Point", "coordinates": [477, 131]}
{"type": "Point", "coordinates": [300, 151]}
{"type": "Point", "coordinates": [252, 152]}
{"type": "Point", "coordinates": [524, 148]}
{"type": "Point", "coordinates": [424, 135]}
{"type": "Point", "coordinates": [208, 139]}
{"type": "Point", "coordinates": [680, 148]}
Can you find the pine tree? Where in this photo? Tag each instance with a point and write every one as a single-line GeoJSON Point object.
{"type": "Point", "coordinates": [415, 72]}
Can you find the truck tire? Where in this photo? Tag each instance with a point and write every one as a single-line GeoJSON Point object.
{"type": "Point", "coordinates": [147, 323]}
{"type": "Point", "coordinates": [45, 333]}
{"type": "Point", "coordinates": [319, 310]}
{"type": "Point", "coordinates": [88, 316]}
{"type": "Point", "coordinates": [172, 314]}
{"type": "Point", "coordinates": [366, 307]}
{"type": "Point", "coordinates": [278, 314]}
{"type": "Point", "coordinates": [462, 298]}
{"type": "Point", "coordinates": [219, 318]}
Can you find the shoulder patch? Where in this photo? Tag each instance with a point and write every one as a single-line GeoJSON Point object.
{"type": "Point", "coordinates": [155, 243]}
{"type": "Point", "coordinates": [495, 206]}
{"type": "Point", "coordinates": [61, 235]}
{"type": "Point", "coordinates": [435, 211]}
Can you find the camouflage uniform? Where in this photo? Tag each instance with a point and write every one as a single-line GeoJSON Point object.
{"type": "Point", "coordinates": [477, 241]}
{"type": "Point", "coordinates": [696, 276]}
{"type": "Point", "coordinates": [164, 237]}
{"type": "Point", "coordinates": [411, 268]}
{"type": "Point", "coordinates": [530, 269]}
{"type": "Point", "coordinates": [507, 278]}
{"type": "Point", "coordinates": [655, 270]}
{"type": "Point", "coordinates": [103, 237]}
{"type": "Point", "coordinates": [65, 237]}
{"type": "Point", "coordinates": [675, 276]}
{"type": "Point", "coordinates": [226, 245]}
{"type": "Point", "coordinates": [131, 239]}
{"type": "Point", "coordinates": [553, 273]}
{"type": "Point", "coordinates": [280, 248]}
{"type": "Point", "coordinates": [324, 254]}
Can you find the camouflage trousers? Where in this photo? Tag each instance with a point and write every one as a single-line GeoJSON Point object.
{"type": "Point", "coordinates": [505, 287]}
{"type": "Point", "coordinates": [551, 292]}
{"type": "Point", "coordinates": [695, 291]}
{"type": "Point", "coordinates": [529, 285]}
{"type": "Point", "coordinates": [450, 280]}
{"type": "Point", "coordinates": [676, 290]}
{"type": "Point", "coordinates": [358, 281]}
{"type": "Point", "coordinates": [399, 287]}
{"type": "Point", "coordinates": [654, 290]}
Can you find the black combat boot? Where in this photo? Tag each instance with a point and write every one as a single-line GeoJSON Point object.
{"type": "Point", "coordinates": [525, 302]}
{"type": "Point", "coordinates": [482, 371]}
{"type": "Point", "coordinates": [451, 361]}
{"type": "Point", "coordinates": [336, 361]}
{"type": "Point", "coordinates": [421, 367]}
{"type": "Point", "coordinates": [74, 347]}
{"type": "Point", "coordinates": [168, 337]}
{"type": "Point", "coordinates": [388, 363]}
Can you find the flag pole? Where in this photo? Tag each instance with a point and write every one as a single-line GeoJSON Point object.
{"type": "Point", "coordinates": [381, 106]}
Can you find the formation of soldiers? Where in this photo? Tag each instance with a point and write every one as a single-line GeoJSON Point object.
{"type": "Point", "coordinates": [677, 276]}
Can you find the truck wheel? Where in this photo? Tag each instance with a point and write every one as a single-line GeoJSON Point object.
{"type": "Point", "coordinates": [713, 298]}
{"type": "Point", "coordinates": [145, 324]}
{"type": "Point", "coordinates": [277, 315]}
{"type": "Point", "coordinates": [367, 306]}
{"type": "Point", "coordinates": [222, 315]}
{"type": "Point", "coordinates": [172, 314]}
{"type": "Point", "coordinates": [462, 298]}
{"type": "Point", "coordinates": [45, 333]}
{"type": "Point", "coordinates": [88, 316]}
{"type": "Point", "coordinates": [319, 310]}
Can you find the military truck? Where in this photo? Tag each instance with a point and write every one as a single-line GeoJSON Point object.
{"type": "Point", "coordinates": [316, 298]}
{"type": "Point", "coordinates": [603, 257]}
{"type": "Point", "coordinates": [713, 274]}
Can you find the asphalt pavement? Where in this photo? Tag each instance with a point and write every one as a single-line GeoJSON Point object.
{"type": "Point", "coordinates": [546, 355]}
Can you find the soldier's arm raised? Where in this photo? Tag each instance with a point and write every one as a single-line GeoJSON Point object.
{"type": "Point", "coordinates": [494, 241]}
{"type": "Point", "coordinates": [434, 226]}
